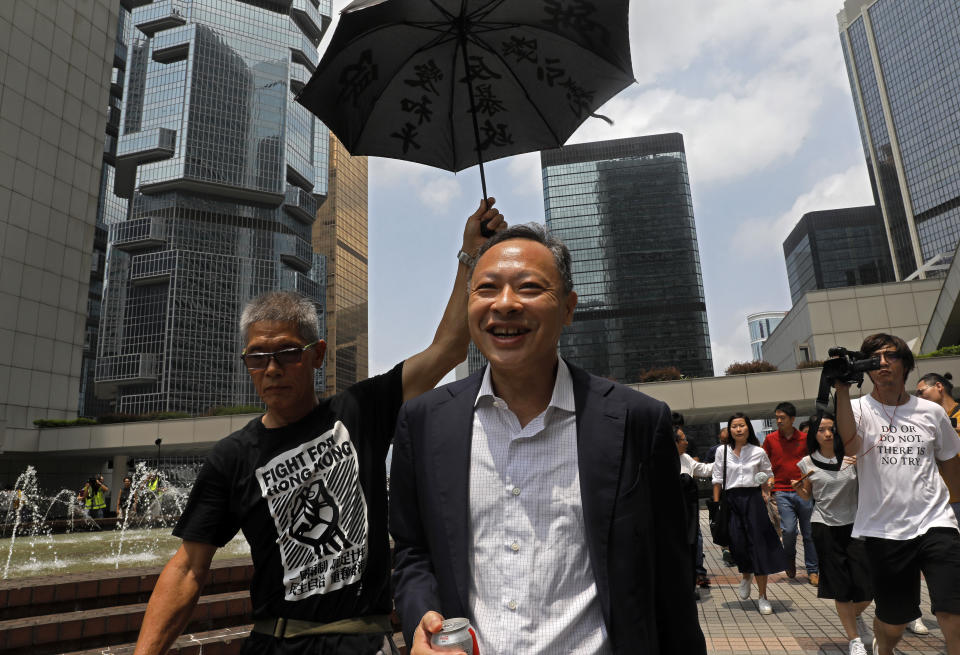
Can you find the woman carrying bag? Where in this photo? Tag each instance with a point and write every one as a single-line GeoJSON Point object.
{"type": "Point", "coordinates": [754, 544]}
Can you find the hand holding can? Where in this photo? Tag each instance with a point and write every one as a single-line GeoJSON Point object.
{"type": "Point", "coordinates": [456, 635]}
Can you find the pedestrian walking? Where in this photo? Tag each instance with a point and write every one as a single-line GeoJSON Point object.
{"type": "Point", "coordinates": [691, 468]}
{"type": "Point", "coordinates": [906, 466]}
{"type": "Point", "coordinates": [785, 447]}
{"type": "Point", "coordinates": [830, 479]}
{"type": "Point", "coordinates": [723, 438]}
{"type": "Point", "coordinates": [754, 544]}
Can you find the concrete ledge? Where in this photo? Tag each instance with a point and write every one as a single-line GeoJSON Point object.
{"type": "Point", "coordinates": [701, 400]}
{"type": "Point", "coordinates": [713, 400]}
{"type": "Point", "coordinates": [188, 435]}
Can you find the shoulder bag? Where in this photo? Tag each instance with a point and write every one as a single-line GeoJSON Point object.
{"type": "Point", "coordinates": [719, 512]}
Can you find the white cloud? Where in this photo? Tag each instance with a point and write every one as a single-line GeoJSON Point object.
{"type": "Point", "coordinates": [763, 71]}
{"type": "Point", "coordinates": [525, 174]}
{"type": "Point", "coordinates": [735, 348]}
{"type": "Point", "coordinates": [435, 189]}
{"type": "Point", "coordinates": [667, 38]}
{"type": "Point", "coordinates": [849, 188]}
{"type": "Point", "coordinates": [760, 242]}
{"type": "Point", "coordinates": [735, 133]}
{"type": "Point", "coordinates": [439, 192]}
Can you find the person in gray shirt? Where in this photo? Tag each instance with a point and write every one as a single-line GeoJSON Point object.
{"type": "Point", "coordinates": [831, 480]}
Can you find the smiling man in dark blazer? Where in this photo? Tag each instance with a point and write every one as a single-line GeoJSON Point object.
{"type": "Point", "coordinates": [539, 501]}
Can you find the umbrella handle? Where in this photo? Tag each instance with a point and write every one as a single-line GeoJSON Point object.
{"type": "Point", "coordinates": [484, 230]}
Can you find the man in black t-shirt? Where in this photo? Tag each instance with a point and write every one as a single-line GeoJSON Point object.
{"type": "Point", "coordinates": [306, 484]}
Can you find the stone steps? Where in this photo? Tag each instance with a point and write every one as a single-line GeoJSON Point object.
{"type": "Point", "coordinates": [25, 597]}
{"type": "Point", "coordinates": [225, 641]}
{"type": "Point", "coordinates": [103, 611]}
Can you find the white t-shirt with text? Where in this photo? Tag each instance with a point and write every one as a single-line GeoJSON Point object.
{"type": "Point", "coordinates": [902, 494]}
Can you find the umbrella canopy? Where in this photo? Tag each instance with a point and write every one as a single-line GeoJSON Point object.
{"type": "Point", "coordinates": [393, 80]}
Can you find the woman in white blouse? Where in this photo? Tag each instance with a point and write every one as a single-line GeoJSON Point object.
{"type": "Point", "coordinates": [754, 544]}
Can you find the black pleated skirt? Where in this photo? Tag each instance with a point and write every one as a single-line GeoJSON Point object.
{"type": "Point", "coordinates": [844, 567]}
{"type": "Point", "coordinates": [755, 546]}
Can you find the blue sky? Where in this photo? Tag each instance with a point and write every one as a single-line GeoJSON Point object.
{"type": "Point", "coordinates": [759, 91]}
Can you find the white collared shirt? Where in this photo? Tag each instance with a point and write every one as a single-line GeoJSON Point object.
{"type": "Point", "coordinates": [741, 471]}
{"type": "Point", "coordinates": [693, 468]}
{"type": "Point", "coordinates": [532, 588]}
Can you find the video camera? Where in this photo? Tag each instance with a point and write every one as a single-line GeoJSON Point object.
{"type": "Point", "coordinates": [847, 366]}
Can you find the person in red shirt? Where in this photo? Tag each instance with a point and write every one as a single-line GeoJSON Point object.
{"type": "Point", "coordinates": [785, 447]}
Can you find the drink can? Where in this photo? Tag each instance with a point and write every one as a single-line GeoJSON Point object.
{"type": "Point", "coordinates": [456, 634]}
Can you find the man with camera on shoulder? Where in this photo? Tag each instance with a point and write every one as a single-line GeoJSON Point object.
{"type": "Point", "coordinates": [903, 512]}
{"type": "Point", "coordinates": [92, 497]}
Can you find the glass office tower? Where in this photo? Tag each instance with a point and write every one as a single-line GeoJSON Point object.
{"type": "Point", "coordinates": [903, 65]}
{"type": "Point", "coordinates": [624, 209]}
{"type": "Point", "coordinates": [223, 170]}
{"type": "Point", "coordinates": [760, 325]}
{"type": "Point", "coordinates": [340, 235]}
{"type": "Point", "coordinates": [837, 248]}
{"type": "Point", "coordinates": [110, 209]}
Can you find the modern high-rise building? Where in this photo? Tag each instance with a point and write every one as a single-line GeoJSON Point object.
{"type": "Point", "coordinates": [837, 248]}
{"type": "Point", "coordinates": [340, 235]}
{"type": "Point", "coordinates": [223, 170]}
{"type": "Point", "coordinates": [902, 61]}
{"type": "Point", "coordinates": [110, 209]}
{"type": "Point", "coordinates": [54, 85]}
{"type": "Point", "coordinates": [475, 360]}
{"type": "Point", "coordinates": [760, 326]}
{"type": "Point", "coordinates": [624, 209]}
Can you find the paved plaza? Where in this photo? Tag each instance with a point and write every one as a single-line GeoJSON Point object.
{"type": "Point", "coordinates": [801, 623]}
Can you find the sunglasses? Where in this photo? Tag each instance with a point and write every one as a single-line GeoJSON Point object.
{"type": "Point", "coordinates": [889, 355]}
{"type": "Point", "coordinates": [260, 361]}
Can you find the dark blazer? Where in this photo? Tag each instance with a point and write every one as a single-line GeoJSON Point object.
{"type": "Point", "coordinates": [632, 510]}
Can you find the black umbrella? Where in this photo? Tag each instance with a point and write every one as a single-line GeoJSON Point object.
{"type": "Point", "coordinates": [393, 80]}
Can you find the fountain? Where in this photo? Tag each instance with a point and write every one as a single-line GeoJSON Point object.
{"type": "Point", "coordinates": [42, 534]}
{"type": "Point", "coordinates": [70, 583]}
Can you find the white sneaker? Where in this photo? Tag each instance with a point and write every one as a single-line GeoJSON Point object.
{"type": "Point", "coordinates": [917, 627]}
{"type": "Point", "coordinates": [744, 590]}
{"type": "Point", "coordinates": [857, 647]}
{"type": "Point", "coordinates": [765, 606]}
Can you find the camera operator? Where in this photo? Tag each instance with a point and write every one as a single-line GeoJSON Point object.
{"type": "Point", "coordinates": [903, 512]}
{"type": "Point", "coordinates": [92, 496]}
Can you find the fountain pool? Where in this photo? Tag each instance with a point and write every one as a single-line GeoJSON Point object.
{"type": "Point", "coordinates": [81, 552]}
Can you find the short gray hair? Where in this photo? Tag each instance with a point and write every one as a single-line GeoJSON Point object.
{"type": "Point", "coordinates": [534, 232]}
{"type": "Point", "coordinates": [285, 306]}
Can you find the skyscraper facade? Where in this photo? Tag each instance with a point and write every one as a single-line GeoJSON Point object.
{"type": "Point", "coordinates": [760, 326]}
{"type": "Point", "coordinates": [837, 248]}
{"type": "Point", "coordinates": [340, 235]}
{"type": "Point", "coordinates": [55, 72]}
{"type": "Point", "coordinates": [624, 209]}
{"type": "Point", "coordinates": [903, 65]}
{"type": "Point", "coordinates": [222, 169]}
{"type": "Point", "coordinates": [110, 209]}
